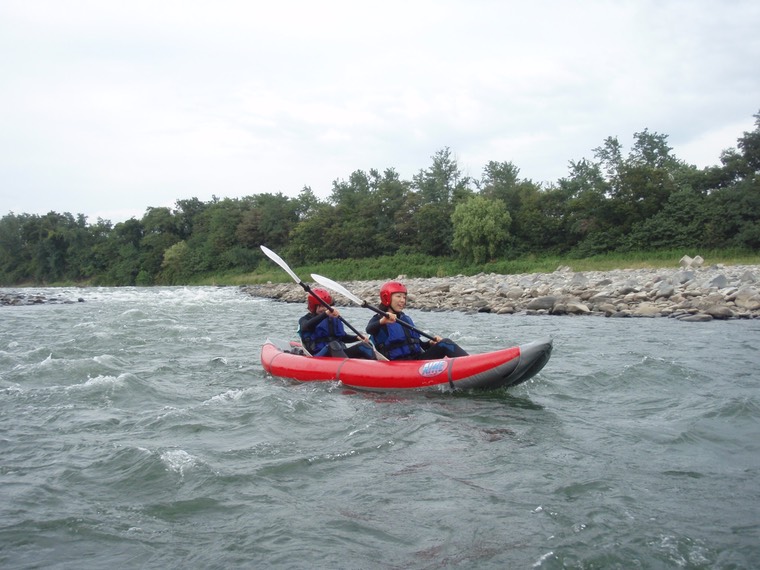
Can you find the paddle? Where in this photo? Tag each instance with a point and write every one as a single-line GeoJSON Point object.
{"type": "Point", "coordinates": [338, 288]}
{"type": "Point", "coordinates": [279, 261]}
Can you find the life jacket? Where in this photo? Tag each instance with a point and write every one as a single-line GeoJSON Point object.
{"type": "Point", "coordinates": [328, 329]}
{"type": "Point", "coordinates": [397, 341]}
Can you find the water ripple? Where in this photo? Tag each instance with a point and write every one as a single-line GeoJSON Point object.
{"type": "Point", "coordinates": [138, 429]}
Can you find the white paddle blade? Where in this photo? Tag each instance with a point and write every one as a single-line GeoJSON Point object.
{"type": "Point", "coordinates": [279, 261]}
{"type": "Point", "coordinates": [337, 287]}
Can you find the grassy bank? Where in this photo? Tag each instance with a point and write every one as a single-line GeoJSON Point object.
{"type": "Point", "coordinates": [426, 266]}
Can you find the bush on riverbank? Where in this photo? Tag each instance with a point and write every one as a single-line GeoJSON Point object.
{"type": "Point", "coordinates": [424, 266]}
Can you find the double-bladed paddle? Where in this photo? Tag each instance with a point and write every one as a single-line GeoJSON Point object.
{"type": "Point", "coordinates": [338, 288]}
{"type": "Point", "coordinates": [279, 261]}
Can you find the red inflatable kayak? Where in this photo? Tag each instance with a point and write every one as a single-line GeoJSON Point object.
{"type": "Point", "coordinates": [499, 369]}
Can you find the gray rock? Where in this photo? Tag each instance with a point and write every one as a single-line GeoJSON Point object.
{"type": "Point", "coordinates": [542, 303]}
{"type": "Point", "coordinates": [720, 312]}
{"type": "Point", "coordinates": [748, 277]}
{"type": "Point", "coordinates": [515, 293]}
{"type": "Point", "coordinates": [747, 298]}
{"type": "Point", "coordinates": [579, 280]}
{"type": "Point", "coordinates": [683, 277]}
{"type": "Point", "coordinates": [698, 318]}
{"type": "Point", "coordinates": [577, 308]}
{"type": "Point", "coordinates": [666, 290]}
{"type": "Point", "coordinates": [719, 282]}
{"type": "Point", "coordinates": [646, 310]}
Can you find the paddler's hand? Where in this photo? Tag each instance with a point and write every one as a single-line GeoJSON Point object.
{"type": "Point", "coordinates": [436, 339]}
{"type": "Point", "coordinates": [365, 339]}
{"type": "Point", "coordinates": [333, 313]}
{"type": "Point", "coordinates": [388, 318]}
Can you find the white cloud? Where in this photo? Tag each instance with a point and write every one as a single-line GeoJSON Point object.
{"type": "Point", "coordinates": [115, 107]}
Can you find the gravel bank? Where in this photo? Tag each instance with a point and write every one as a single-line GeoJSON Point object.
{"type": "Point", "coordinates": [694, 294]}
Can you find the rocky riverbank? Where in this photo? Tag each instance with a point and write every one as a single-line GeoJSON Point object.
{"type": "Point", "coordinates": [15, 298]}
{"type": "Point", "coordinates": [690, 293]}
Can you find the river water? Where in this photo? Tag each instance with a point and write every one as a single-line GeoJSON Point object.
{"type": "Point", "coordinates": [139, 430]}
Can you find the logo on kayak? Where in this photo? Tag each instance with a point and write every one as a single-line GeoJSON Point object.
{"type": "Point", "coordinates": [432, 368]}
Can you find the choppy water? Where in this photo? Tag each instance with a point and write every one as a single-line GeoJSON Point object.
{"type": "Point", "coordinates": [138, 430]}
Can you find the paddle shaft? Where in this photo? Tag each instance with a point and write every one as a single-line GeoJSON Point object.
{"type": "Point", "coordinates": [281, 262]}
{"type": "Point", "coordinates": [379, 311]}
{"type": "Point", "coordinates": [335, 286]}
{"type": "Point", "coordinates": [327, 306]}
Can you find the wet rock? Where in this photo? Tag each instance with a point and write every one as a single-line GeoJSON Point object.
{"type": "Point", "coordinates": [22, 298]}
{"type": "Point", "coordinates": [720, 312]}
{"type": "Point", "coordinates": [698, 318]}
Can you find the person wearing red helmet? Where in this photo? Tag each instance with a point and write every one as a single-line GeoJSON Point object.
{"type": "Point", "coordinates": [398, 342]}
{"type": "Point", "coordinates": [322, 332]}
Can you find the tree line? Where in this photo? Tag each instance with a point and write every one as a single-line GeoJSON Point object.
{"type": "Point", "coordinates": [644, 200]}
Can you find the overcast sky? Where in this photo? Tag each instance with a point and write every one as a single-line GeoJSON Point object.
{"type": "Point", "coordinates": [108, 107]}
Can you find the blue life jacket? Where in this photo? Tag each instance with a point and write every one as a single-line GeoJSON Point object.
{"type": "Point", "coordinates": [397, 341]}
{"type": "Point", "coordinates": [327, 330]}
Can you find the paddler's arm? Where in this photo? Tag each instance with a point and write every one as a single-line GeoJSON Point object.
{"type": "Point", "coordinates": [310, 324]}
{"type": "Point", "coordinates": [378, 321]}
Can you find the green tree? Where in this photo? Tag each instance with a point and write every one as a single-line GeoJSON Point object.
{"type": "Point", "coordinates": [122, 250]}
{"type": "Point", "coordinates": [440, 188]}
{"type": "Point", "coordinates": [215, 234]}
{"type": "Point", "coordinates": [13, 257]}
{"type": "Point", "coordinates": [390, 212]}
{"type": "Point", "coordinates": [501, 181]}
{"type": "Point", "coordinates": [733, 194]}
{"type": "Point", "coordinates": [481, 229]}
{"type": "Point", "coordinates": [352, 233]}
{"type": "Point", "coordinates": [160, 232]}
{"type": "Point", "coordinates": [585, 190]}
{"type": "Point", "coordinates": [442, 182]}
{"type": "Point", "coordinates": [269, 221]}
{"type": "Point", "coordinates": [309, 240]}
{"type": "Point", "coordinates": [682, 222]}
{"type": "Point", "coordinates": [186, 212]}
{"type": "Point", "coordinates": [307, 203]}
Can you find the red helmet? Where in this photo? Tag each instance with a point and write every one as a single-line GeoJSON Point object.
{"type": "Point", "coordinates": [323, 294]}
{"type": "Point", "coordinates": [389, 289]}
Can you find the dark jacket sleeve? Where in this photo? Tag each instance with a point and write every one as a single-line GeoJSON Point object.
{"type": "Point", "coordinates": [308, 323]}
{"type": "Point", "coordinates": [374, 326]}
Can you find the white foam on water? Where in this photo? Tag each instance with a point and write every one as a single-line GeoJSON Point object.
{"type": "Point", "coordinates": [177, 460]}
{"type": "Point", "coordinates": [108, 360]}
{"type": "Point", "coordinates": [99, 381]}
{"type": "Point", "coordinates": [102, 380]}
{"type": "Point", "coordinates": [228, 396]}
{"type": "Point", "coordinates": [543, 558]}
